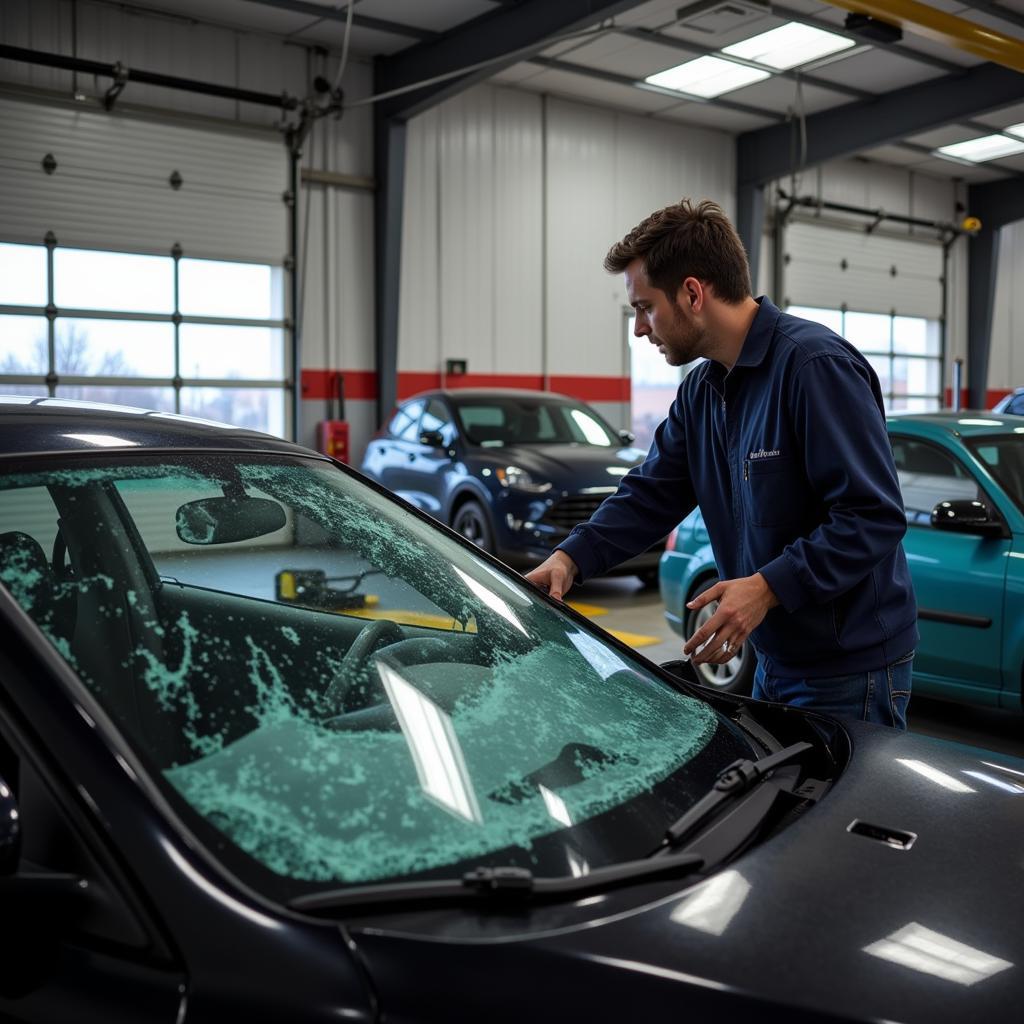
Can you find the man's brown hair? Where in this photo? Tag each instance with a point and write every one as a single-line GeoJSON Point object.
{"type": "Point", "coordinates": [686, 240]}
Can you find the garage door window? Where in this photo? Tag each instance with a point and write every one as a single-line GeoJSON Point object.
{"type": "Point", "coordinates": [201, 337]}
{"type": "Point", "coordinates": [905, 352]}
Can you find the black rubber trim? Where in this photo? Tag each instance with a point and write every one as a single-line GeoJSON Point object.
{"type": "Point", "coordinates": [954, 618]}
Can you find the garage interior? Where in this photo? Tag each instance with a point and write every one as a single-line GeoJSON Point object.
{"type": "Point", "coordinates": [288, 213]}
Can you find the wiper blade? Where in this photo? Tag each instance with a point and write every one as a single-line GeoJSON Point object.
{"type": "Point", "coordinates": [505, 885]}
{"type": "Point", "coordinates": [732, 781]}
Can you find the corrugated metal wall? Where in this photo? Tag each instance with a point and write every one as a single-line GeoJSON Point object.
{"type": "Point", "coordinates": [1006, 360]}
{"type": "Point", "coordinates": [512, 200]}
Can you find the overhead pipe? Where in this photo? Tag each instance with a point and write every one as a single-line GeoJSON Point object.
{"type": "Point", "coordinates": [940, 27]}
{"type": "Point", "coordinates": [122, 75]}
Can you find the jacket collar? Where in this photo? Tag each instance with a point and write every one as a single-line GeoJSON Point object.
{"type": "Point", "coordinates": [755, 345]}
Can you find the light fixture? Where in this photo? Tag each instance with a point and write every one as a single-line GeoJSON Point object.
{"type": "Point", "coordinates": [788, 46]}
{"type": "Point", "coordinates": [1015, 129]}
{"type": "Point", "coordinates": [707, 77]}
{"type": "Point", "coordinates": [988, 147]}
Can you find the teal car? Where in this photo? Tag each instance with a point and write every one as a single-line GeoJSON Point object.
{"type": "Point", "coordinates": [962, 477]}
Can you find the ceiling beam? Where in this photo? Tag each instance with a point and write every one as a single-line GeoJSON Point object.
{"type": "Point", "coordinates": [322, 13]}
{"type": "Point", "coordinates": [1011, 17]}
{"type": "Point", "coordinates": [763, 155]}
{"type": "Point", "coordinates": [497, 39]}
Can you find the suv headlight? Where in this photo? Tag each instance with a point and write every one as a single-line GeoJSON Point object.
{"type": "Point", "coordinates": [519, 480]}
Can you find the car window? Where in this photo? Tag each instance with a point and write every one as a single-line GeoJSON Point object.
{"type": "Point", "coordinates": [404, 424]}
{"type": "Point", "coordinates": [333, 692]}
{"type": "Point", "coordinates": [436, 417]}
{"type": "Point", "coordinates": [498, 421]}
{"type": "Point", "coordinates": [1003, 455]}
{"type": "Point", "coordinates": [929, 475]}
{"type": "Point", "coordinates": [1016, 406]}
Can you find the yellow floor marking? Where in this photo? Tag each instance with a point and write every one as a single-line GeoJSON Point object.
{"type": "Point", "coordinates": [634, 639]}
{"type": "Point", "coordinates": [591, 611]}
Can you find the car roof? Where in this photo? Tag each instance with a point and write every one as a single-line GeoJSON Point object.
{"type": "Point", "coordinates": [38, 425]}
{"type": "Point", "coordinates": [960, 423]}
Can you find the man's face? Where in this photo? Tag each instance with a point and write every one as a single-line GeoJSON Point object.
{"type": "Point", "coordinates": [668, 323]}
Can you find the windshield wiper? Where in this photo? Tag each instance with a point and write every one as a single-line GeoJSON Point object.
{"type": "Point", "coordinates": [732, 782]}
{"type": "Point", "coordinates": [504, 885]}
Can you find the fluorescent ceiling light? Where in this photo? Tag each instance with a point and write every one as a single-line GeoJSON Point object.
{"type": "Point", "coordinates": [1015, 129]}
{"type": "Point", "coordinates": [788, 46]}
{"type": "Point", "coordinates": [707, 77]}
{"type": "Point", "coordinates": [988, 147]}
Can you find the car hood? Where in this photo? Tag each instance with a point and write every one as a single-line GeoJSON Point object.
{"type": "Point", "coordinates": [567, 466]}
{"type": "Point", "coordinates": [819, 920]}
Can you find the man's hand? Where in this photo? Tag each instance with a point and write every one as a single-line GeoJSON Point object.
{"type": "Point", "coordinates": [742, 604]}
{"type": "Point", "coordinates": [555, 574]}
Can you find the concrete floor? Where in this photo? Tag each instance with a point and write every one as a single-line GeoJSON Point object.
{"type": "Point", "coordinates": [628, 608]}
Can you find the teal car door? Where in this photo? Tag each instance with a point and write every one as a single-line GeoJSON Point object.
{"type": "Point", "coordinates": [959, 579]}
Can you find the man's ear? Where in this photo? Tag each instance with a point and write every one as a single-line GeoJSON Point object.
{"type": "Point", "coordinates": [692, 294]}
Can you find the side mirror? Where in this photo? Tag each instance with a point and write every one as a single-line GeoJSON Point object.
{"type": "Point", "coordinates": [433, 438]}
{"type": "Point", "coordinates": [224, 520]}
{"type": "Point", "coordinates": [966, 517]}
{"type": "Point", "coordinates": [10, 831]}
{"type": "Point", "coordinates": [626, 436]}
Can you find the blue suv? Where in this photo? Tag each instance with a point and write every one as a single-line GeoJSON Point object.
{"type": "Point", "coordinates": [511, 470]}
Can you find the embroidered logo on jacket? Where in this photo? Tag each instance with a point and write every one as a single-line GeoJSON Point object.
{"type": "Point", "coordinates": [763, 453]}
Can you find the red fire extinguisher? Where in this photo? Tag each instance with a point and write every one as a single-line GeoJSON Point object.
{"type": "Point", "coordinates": [332, 433]}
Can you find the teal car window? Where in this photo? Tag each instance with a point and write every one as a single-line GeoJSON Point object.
{"type": "Point", "coordinates": [331, 690]}
{"type": "Point", "coordinates": [1003, 455]}
{"type": "Point", "coordinates": [928, 475]}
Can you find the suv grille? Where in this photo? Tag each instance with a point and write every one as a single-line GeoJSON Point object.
{"type": "Point", "coordinates": [572, 511]}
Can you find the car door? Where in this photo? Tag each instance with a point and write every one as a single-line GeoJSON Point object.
{"type": "Point", "coordinates": [959, 579]}
{"type": "Point", "coordinates": [391, 455]}
{"type": "Point", "coordinates": [431, 464]}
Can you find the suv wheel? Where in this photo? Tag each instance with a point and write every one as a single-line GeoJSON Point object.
{"type": "Point", "coordinates": [737, 674]}
{"type": "Point", "coordinates": [472, 523]}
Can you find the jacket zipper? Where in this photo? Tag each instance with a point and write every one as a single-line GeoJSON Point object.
{"type": "Point", "coordinates": [746, 469]}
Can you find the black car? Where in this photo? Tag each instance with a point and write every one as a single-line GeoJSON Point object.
{"type": "Point", "coordinates": [276, 746]}
{"type": "Point", "coordinates": [511, 470]}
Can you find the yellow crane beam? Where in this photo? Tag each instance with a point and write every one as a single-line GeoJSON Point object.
{"type": "Point", "coordinates": [940, 27]}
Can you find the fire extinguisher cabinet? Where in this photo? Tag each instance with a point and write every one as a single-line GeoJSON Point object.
{"type": "Point", "coordinates": [332, 433]}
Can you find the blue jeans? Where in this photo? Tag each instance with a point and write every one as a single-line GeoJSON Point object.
{"type": "Point", "coordinates": [880, 695]}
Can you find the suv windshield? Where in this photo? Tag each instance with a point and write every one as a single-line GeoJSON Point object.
{"type": "Point", "coordinates": [339, 688]}
{"type": "Point", "coordinates": [1003, 456]}
{"type": "Point", "coordinates": [498, 421]}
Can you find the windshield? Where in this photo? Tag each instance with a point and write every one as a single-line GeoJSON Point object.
{"type": "Point", "coordinates": [1003, 455]}
{"type": "Point", "coordinates": [498, 421]}
{"type": "Point", "coordinates": [339, 688]}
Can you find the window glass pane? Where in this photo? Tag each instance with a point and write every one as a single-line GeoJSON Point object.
{"type": "Point", "coordinates": [30, 390]}
{"type": "Point", "coordinates": [246, 353]}
{"type": "Point", "coordinates": [118, 281]}
{"type": "Point", "coordinates": [927, 476]}
{"type": "Point", "coordinates": [870, 332]}
{"type": "Point", "coordinates": [23, 344]}
{"type": "Point", "coordinates": [880, 364]}
{"type": "Point", "coordinates": [915, 376]}
{"type": "Point", "coordinates": [161, 399]}
{"type": "Point", "coordinates": [114, 348]}
{"type": "Point", "coordinates": [213, 288]}
{"type": "Point", "coordinates": [252, 408]}
{"type": "Point", "coordinates": [831, 318]}
{"type": "Point", "coordinates": [915, 336]}
{"type": "Point", "coordinates": [22, 275]}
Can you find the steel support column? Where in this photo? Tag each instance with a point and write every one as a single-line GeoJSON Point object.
{"type": "Point", "coordinates": [996, 204]}
{"type": "Point", "coordinates": [750, 225]}
{"type": "Point", "coordinates": [389, 170]}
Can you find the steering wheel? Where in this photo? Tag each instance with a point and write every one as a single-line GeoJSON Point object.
{"type": "Point", "coordinates": [354, 666]}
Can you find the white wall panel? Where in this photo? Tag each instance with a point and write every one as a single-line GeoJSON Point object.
{"type": "Point", "coordinates": [584, 307]}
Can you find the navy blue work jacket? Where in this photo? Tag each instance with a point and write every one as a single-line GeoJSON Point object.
{"type": "Point", "coordinates": [788, 457]}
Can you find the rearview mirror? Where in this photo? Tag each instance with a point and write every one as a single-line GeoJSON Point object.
{"type": "Point", "coordinates": [433, 438]}
{"type": "Point", "coordinates": [966, 517]}
{"type": "Point", "coordinates": [225, 520]}
{"type": "Point", "coordinates": [626, 436]}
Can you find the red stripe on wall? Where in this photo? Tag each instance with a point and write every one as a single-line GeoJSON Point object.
{"type": "Point", "coordinates": [362, 384]}
{"type": "Point", "coordinates": [992, 395]}
{"type": "Point", "coordinates": [323, 383]}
